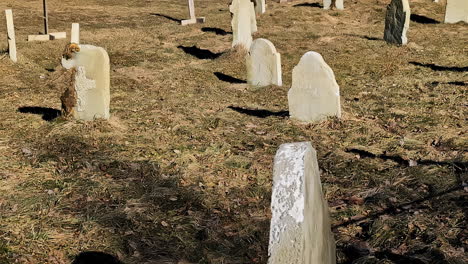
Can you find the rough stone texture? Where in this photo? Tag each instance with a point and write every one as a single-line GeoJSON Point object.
{"type": "Point", "coordinates": [338, 4]}
{"type": "Point", "coordinates": [397, 22]}
{"type": "Point", "coordinates": [260, 6]}
{"type": "Point", "coordinates": [263, 64]}
{"type": "Point", "coordinates": [300, 230]}
{"type": "Point", "coordinates": [11, 35]}
{"type": "Point", "coordinates": [456, 11]}
{"type": "Point", "coordinates": [314, 93]}
{"type": "Point", "coordinates": [92, 82]}
{"type": "Point", "coordinates": [75, 33]}
{"type": "Point", "coordinates": [243, 22]}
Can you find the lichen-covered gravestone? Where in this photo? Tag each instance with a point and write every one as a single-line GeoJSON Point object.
{"type": "Point", "coordinates": [260, 6]}
{"type": "Point", "coordinates": [263, 64]}
{"type": "Point", "coordinates": [300, 230]}
{"type": "Point", "coordinates": [327, 4]}
{"type": "Point", "coordinates": [397, 22]}
{"type": "Point", "coordinates": [91, 82]}
{"type": "Point", "coordinates": [314, 93]}
{"type": "Point", "coordinates": [243, 22]}
{"type": "Point", "coordinates": [456, 11]}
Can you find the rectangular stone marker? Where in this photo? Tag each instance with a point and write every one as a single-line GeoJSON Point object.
{"type": "Point", "coordinates": [47, 36]}
{"type": "Point", "coordinates": [11, 35]}
{"type": "Point", "coordinates": [91, 82]}
{"type": "Point", "coordinates": [456, 11]}
{"type": "Point", "coordinates": [314, 93]}
{"type": "Point", "coordinates": [75, 33]}
{"type": "Point", "coordinates": [244, 22]}
{"type": "Point", "coordinates": [260, 6]}
{"type": "Point", "coordinates": [327, 4]}
{"type": "Point", "coordinates": [263, 64]}
{"type": "Point", "coordinates": [397, 21]}
{"type": "Point", "coordinates": [193, 19]}
{"type": "Point", "coordinates": [300, 230]}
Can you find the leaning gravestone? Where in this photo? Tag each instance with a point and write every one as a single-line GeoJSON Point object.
{"type": "Point", "coordinates": [397, 22]}
{"type": "Point", "coordinates": [456, 11]}
{"type": "Point", "coordinates": [260, 6]}
{"type": "Point", "coordinates": [263, 64]}
{"type": "Point", "coordinates": [300, 230]}
{"type": "Point", "coordinates": [91, 82]}
{"type": "Point", "coordinates": [243, 22]}
{"type": "Point", "coordinates": [327, 4]}
{"type": "Point", "coordinates": [314, 93]}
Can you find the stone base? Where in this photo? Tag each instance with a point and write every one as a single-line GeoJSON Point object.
{"type": "Point", "coordinates": [198, 20]}
{"type": "Point", "coordinates": [51, 36]}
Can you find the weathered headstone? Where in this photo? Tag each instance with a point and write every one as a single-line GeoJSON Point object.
{"type": "Point", "coordinates": [314, 93]}
{"type": "Point", "coordinates": [456, 11]}
{"type": "Point", "coordinates": [338, 4]}
{"type": "Point", "coordinates": [91, 82]}
{"type": "Point", "coordinates": [11, 35]}
{"type": "Point", "coordinates": [193, 19]}
{"type": "Point", "coordinates": [260, 6]}
{"type": "Point", "coordinates": [243, 23]}
{"type": "Point", "coordinates": [263, 64]}
{"type": "Point", "coordinates": [300, 230]}
{"type": "Point", "coordinates": [75, 33]}
{"type": "Point", "coordinates": [397, 22]}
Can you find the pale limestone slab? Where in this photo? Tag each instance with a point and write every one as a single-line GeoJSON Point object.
{"type": "Point", "coordinates": [300, 230]}
{"type": "Point", "coordinates": [263, 64]}
{"type": "Point", "coordinates": [92, 82]}
{"type": "Point", "coordinates": [244, 22]}
{"type": "Point", "coordinates": [260, 6]}
{"type": "Point", "coordinates": [75, 33]}
{"type": "Point", "coordinates": [327, 4]}
{"type": "Point", "coordinates": [11, 35]}
{"type": "Point", "coordinates": [314, 93]}
{"type": "Point", "coordinates": [58, 35]}
{"type": "Point", "coordinates": [397, 21]}
{"type": "Point", "coordinates": [456, 11]}
{"type": "Point", "coordinates": [39, 37]}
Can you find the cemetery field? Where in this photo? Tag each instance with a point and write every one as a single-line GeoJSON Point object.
{"type": "Point", "coordinates": [182, 171]}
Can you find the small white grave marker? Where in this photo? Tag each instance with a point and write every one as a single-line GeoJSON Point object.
{"type": "Point", "coordinates": [338, 4]}
{"type": "Point", "coordinates": [193, 19]}
{"type": "Point", "coordinates": [92, 82]}
{"type": "Point", "coordinates": [456, 11]}
{"type": "Point", "coordinates": [260, 6]}
{"type": "Point", "coordinates": [47, 36]}
{"type": "Point", "coordinates": [75, 33]}
{"type": "Point", "coordinates": [300, 230]}
{"type": "Point", "coordinates": [11, 35]}
{"type": "Point", "coordinates": [314, 93]}
{"type": "Point", "coordinates": [263, 64]}
{"type": "Point", "coordinates": [244, 22]}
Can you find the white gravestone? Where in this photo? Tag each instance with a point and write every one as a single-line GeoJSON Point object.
{"type": "Point", "coordinates": [314, 93]}
{"type": "Point", "coordinates": [75, 33]}
{"type": "Point", "coordinates": [92, 82]}
{"type": "Point", "coordinates": [244, 22]}
{"type": "Point", "coordinates": [260, 6]}
{"type": "Point", "coordinates": [300, 230]}
{"type": "Point", "coordinates": [193, 19]}
{"type": "Point", "coordinates": [338, 4]}
{"type": "Point", "coordinates": [11, 35]}
{"type": "Point", "coordinates": [263, 64]}
{"type": "Point", "coordinates": [397, 21]}
{"type": "Point", "coordinates": [456, 11]}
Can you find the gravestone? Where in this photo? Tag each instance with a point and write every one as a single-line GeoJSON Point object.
{"type": "Point", "coordinates": [11, 35]}
{"type": "Point", "coordinates": [300, 230]}
{"type": "Point", "coordinates": [193, 19]}
{"type": "Point", "coordinates": [260, 6]}
{"type": "Point", "coordinates": [263, 64]}
{"type": "Point", "coordinates": [243, 23]}
{"type": "Point", "coordinates": [75, 33]}
{"type": "Point", "coordinates": [314, 93]}
{"type": "Point", "coordinates": [397, 22]}
{"type": "Point", "coordinates": [338, 4]}
{"type": "Point", "coordinates": [91, 82]}
{"type": "Point", "coordinates": [456, 11]}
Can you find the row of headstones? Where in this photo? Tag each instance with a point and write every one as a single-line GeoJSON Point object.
{"type": "Point", "coordinates": [398, 16]}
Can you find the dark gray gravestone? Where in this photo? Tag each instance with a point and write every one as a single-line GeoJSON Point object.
{"type": "Point", "coordinates": [397, 22]}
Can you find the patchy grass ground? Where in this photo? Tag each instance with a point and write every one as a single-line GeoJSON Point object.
{"type": "Point", "coordinates": [182, 171]}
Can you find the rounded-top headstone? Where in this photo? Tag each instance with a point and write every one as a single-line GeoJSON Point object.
{"type": "Point", "coordinates": [263, 64]}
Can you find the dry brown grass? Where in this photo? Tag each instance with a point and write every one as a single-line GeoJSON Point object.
{"type": "Point", "coordinates": [182, 171]}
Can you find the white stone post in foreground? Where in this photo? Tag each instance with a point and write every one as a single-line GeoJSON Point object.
{"type": "Point", "coordinates": [300, 230]}
{"type": "Point", "coordinates": [75, 33]}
